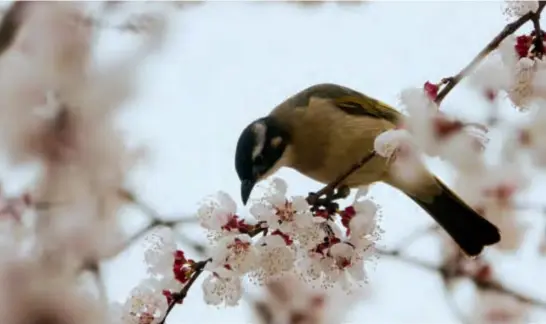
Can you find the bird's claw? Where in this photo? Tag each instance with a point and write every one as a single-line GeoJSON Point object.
{"type": "Point", "coordinates": [326, 197]}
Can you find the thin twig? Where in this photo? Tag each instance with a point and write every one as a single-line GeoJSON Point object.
{"type": "Point", "coordinates": [538, 49]}
{"type": "Point", "coordinates": [199, 267]}
{"type": "Point", "coordinates": [414, 236]}
{"type": "Point", "coordinates": [329, 188]}
{"type": "Point", "coordinates": [486, 285]}
{"type": "Point", "coordinates": [490, 47]}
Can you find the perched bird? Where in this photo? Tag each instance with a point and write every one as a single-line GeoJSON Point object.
{"type": "Point", "coordinates": [324, 130]}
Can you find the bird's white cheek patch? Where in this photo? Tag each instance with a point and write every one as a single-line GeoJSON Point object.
{"type": "Point", "coordinates": [259, 129]}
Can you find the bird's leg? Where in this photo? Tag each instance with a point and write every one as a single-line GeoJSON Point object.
{"type": "Point", "coordinates": [330, 196]}
{"type": "Point", "coordinates": [341, 193]}
{"type": "Point", "coordinates": [332, 192]}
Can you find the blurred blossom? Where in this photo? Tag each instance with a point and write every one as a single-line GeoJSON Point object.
{"type": "Point", "coordinates": [492, 193]}
{"type": "Point", "coordinates": [145, 304]}
{"type": "Point", "coordinates": [495, 308]}
{"type": "Point", "coordinates": [160, 252]}
{"type": "Point", "coordinates": [234, 256]}
{"type": "Point", "coordinates": [218, 290]}
{"type": "Point", "coordinates": [33, 294]}
{"type": "Point", "coordinates": [291, 301]}
{"type": "Point", "coordinates": [518, 8]}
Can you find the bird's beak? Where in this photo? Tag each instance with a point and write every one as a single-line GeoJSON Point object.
{"type": "Point", "coordinates": [246, 189]}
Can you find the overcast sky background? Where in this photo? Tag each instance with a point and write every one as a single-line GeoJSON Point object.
{"type": "Point", "coordinates": [228, 63]}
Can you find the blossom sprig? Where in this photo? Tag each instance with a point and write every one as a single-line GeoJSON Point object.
{"type": "Point", "coordinates": [296, 239]}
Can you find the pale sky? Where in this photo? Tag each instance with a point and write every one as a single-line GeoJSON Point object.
{"type": "Point", "coordinates": [229, 63]}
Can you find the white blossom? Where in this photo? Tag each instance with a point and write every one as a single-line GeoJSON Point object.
{"type": "Point", "coordinates": [217, 211]}
{"type": "Point", "coordinates": [145, 302]}
{"type": "Point", "coordinates": [288, 216]}
{"type": "Point", "coordinates": [275, 258]}
{"type": "Point", "coordinates": [521, 89]}
{"type": "Point", "coordinates": [290, 299]}
{"type": "Point", "coordinates": [532, 137]}
{"type": "Point", "coordinates": [159, 255]}
{"type": "Point", "coordinates": [387, 143]}
{"type": "Point", "coordinates": [234, 255]}
{"type": "Point", "coordinates": [218, 290]}
{"type": "Point", "coordinates": [495, 308]}
{"type": "Point", "coordinates": [311, 236]}
{"type": "Point", "coordinates": [518, 8]}
{"type": "Point", "coordinates": [347, 265]}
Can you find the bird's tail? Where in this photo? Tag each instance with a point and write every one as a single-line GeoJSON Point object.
{"type": "Point", "coordinates": [468, 229]}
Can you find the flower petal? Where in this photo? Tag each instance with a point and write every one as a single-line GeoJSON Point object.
{"type": "Point", "coordinates": [279, 185]}
{"type": "Point", "coordinates": [261, 212]}
{"type": "Point", "coordinates": [300, 204]}
{"type": "Point", "coordinates": [226, 202]}
{"type": "Point", "coordinates": [362, 192]}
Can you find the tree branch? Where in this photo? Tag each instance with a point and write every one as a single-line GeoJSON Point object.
{"type": "Point", "coordinates": [490, 47]}
{"type": "Point", "coordinates": [198, 270]}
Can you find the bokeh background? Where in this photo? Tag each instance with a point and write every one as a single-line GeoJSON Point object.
{"type": "Point", "coordinates": [228, 63]}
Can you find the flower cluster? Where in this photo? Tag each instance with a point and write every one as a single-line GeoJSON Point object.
{"type": "Point", "coordinates": [315, 244]}
{"type": "Point", "coordinates": [518, 8]}
{"type": "Point", "coordinates": [320, 245]}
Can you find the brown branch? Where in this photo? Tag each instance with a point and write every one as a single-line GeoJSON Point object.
{"type": "Point", "coordinates": [199, 267]}
{"type": "Point", "coordinates": [447, 274]}
{"type": "Point", "coordinates": [328, 190]}
{"type": "Point", "coordinates": [538, 49]}
{"type": "Point", "coordinates": [414, 236]}
{"type": "Point", "coordinates": [490, 47]}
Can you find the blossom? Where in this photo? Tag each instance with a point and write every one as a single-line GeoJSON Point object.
{"type": "Point", "coordinates": [495, 308]}
{"type": "Point", "coordinates": [360, 219]}
{"type": "Point", "coordinates": [289, 216]}
{"type": "Point", "coordinates": [310, 237]}
{"type": "Point", "coordinates": [159, 256]}
{"type": "Point", "coordinates": [234, 255]}
{"type": "Point", "coordinates": [275, 258]}
{"type": "Point", "coordinates": [492, 192]}
{"type": "Point", "coordinates": [464, 149]}
{"type": "Point", "coordinates": [218, 214]}
{"type": "Point", "coordinates": [399, 148]}
{"type": "Point", "coordinates": [515, 69]}
{"type": "Point", "coordinates": [364, 221]}
{"type": "Point", "coordinates": [290, 300]}
{"type": "Point", "coordinates": [530, 138]}
{"type": "Point", "coordinates": [13, 226]}
{"type": "Point", "coordinates": [518, 8]}
{"type": "Point", "coordinates": [389, 143]}
{"type": "Point", "coordinates": [27, 297]}
{"type": "Point", "coordinates": [334, 262]}
{"type": "Point", "coordinates": [345, 263]}
{"type": "Point", "coordinates": [218, 290]}
{"type": "Point", "coordinates": [521, 90]}
{"type": "Point", "coordinates": [427, 128]}
{"type": "Point", "coordinates": [145, 304]}
{"type": "Point", "coordinates": [58, 110]}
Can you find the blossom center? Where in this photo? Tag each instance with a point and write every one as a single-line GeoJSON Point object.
{"type": "Point", "coordinates": [285, 213]}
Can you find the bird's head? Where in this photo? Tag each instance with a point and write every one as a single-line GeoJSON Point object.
{"type": "Point", "coordinates": [259, 152]}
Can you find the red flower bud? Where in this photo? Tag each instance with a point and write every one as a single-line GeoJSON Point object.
{"type": "Point", "coordinates": [431, 90]}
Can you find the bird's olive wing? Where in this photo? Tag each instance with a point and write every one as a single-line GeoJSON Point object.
{"type": "Point", "coordinates": [366, 106]}
{"type": "Point", "coordinates": [350, 101]}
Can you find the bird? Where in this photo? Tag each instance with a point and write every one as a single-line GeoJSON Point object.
{"type": "Point", "coordinates": [324, 130]}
